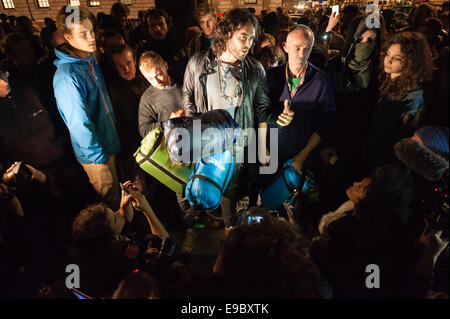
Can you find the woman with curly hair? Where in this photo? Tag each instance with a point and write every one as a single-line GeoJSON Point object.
{"type": "Point", "coordinates": [406, 66]}
{"type": "Point", "coordinates": [268, 259]}
{"type": "Point", "coordinates": [375, 230]}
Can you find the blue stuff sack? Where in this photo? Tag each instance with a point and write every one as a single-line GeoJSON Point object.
{"type": "Point", "coordinates": [190, 151]}
{"type": "Point", "coordinates": [209, 180]}
{"type": "Point", "coordinates": [286, 186]}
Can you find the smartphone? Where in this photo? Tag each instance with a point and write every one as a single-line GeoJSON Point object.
{"type": "Point", "coordinates": [124, 188]}
{"type": "Point", "coordinates": [334, 9]}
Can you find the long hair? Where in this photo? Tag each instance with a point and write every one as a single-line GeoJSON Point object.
{"type": "Point", "coordinates": [232, 21]}
{"type": "Point", "coordinates": [418, 66]}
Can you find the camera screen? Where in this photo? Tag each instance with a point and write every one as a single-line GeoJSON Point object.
{"type": "Point", "coordinates": [254, 219]}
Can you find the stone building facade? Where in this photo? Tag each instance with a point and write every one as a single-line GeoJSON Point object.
{"type": "Point", "coordinates": [23, 7]}
{"type": "Point", "coordinates": [39, 9]}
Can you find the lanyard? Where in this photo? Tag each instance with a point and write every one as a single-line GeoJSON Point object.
{"type": "Point", "coordinates": [302, 79]}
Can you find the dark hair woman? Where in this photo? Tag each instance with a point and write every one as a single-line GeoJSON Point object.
{"type": "Point", "coordinates": [406, 66]}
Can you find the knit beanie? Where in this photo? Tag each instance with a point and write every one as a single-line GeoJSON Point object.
{"type": "Point", "coordinates": [430, 159]}
{"type": "Point", "coordinates": [435, 138]}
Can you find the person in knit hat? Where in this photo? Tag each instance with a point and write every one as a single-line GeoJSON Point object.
{"type": "Point", "coordinates": [426, 152]}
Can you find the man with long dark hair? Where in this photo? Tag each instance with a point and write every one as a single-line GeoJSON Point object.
{"type": "Point", "coordinates": [225, 77]}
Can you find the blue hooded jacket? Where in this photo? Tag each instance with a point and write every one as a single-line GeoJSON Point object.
{"type": "Point", "coordinates": [85, 107]}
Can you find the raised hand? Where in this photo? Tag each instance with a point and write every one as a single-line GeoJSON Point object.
{"type": "Point", "coordinates": [285, 118]}
{"type": "Point", "coordinates": [332, 21]}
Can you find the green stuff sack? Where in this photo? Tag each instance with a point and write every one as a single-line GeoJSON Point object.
{"type": "Point", "coordinates": [153, 158]}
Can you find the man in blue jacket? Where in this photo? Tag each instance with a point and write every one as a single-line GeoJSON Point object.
{"type": "Point", "coordinates": [310, 96]}
{"type": "Point", "coordinates": [84, 104]}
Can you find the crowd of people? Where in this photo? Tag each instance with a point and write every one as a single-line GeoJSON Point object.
{"type": "Point", "coordinates": [359, 99]}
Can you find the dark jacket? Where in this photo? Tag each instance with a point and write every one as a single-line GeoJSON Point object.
{"type": "Point", "coordinates": [313, 105]}
{"type": "Point", "coordinates": [125, 96]}
{"type": "Point", "coordinates": [199, 44]}
{"type": "Point", "coordinates": [165, 48]}
{"type": "Point", "coordinates": [255, 104]}
{"type": "Point", "coordinates": [26, 132]}
{"type": "Point", "coordinates": [391, 121]}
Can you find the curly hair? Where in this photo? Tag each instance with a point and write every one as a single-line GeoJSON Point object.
{"type": "Point", "coordinates": [92, 225]}
{"type": "Point", "coordinates": [418, 66]}
{"type": "Point", "coordinates": [97, 249]}
{"type": "Point", "coordinates": [388, 197]}
{"type": "Point", "coordinates": [231, 22]}
{"type": "Point", "coordinates": [268, 260]}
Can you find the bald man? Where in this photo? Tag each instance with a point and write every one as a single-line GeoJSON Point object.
{"type": "Point", "coordinates": [309, 93]}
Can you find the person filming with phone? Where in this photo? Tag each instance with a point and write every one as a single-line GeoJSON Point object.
{"type": "Point", "coordinates": [102, 248]}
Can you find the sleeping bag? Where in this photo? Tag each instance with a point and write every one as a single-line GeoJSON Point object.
{"type": "Point", "coordinates": [153, 158]}
{"type": "Point", "coordinates": [209, 180]}
{"type": "Point", "coordinates": [190, 138]}
{"type": "Point", "coordinates": [286, 185]}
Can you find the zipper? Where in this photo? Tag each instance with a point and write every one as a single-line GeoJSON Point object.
{"type": "Point", "coordinates": [103, 98]}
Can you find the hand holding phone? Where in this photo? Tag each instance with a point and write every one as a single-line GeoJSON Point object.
{"type": "Point", "coordinates": [124, 188]}
{"type": "Point", "coordinates": [335, 9]}
{"type": "Point", "coordinates": [126, 201]}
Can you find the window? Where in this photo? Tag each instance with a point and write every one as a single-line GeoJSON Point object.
{"type": "Point", "coordinates": [126, 2]}
{"type": "Point", "coordinates": [74, 2]}
{"type": "Point", "coordinates": [42, 4]}
{"type": "Point", "coordinates": [93, 3]}
{"type": "Point", "coordinates": [8, 4]}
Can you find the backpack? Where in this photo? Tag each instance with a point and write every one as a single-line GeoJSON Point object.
{"type": "Point", "coordinates": [153, 158]}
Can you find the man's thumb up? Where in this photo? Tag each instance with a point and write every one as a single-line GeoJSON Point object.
{"type": "Point", "coordinates": [287, 108]}
{"type": "Point", "coordinates": [286, 117]}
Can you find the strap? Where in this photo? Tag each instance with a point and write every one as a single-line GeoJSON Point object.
{"type": "Point", "coordinates": [300, 184]}
{"type": "Point", "coordinates": [162, 169]}
{"type": "Point", "coordinates": [207, 179]}
{"type": "Point", "coordinates": [146, 157]}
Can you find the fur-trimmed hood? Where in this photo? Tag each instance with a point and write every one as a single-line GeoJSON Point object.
{"type": "Point", "coordinates": [421, 160]}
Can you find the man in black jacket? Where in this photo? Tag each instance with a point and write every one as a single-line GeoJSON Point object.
{"type": "Point", "coordinates": [125, 92]}
{"type": "Point", "coordinates": [226, 78]}
{"type": "Point", "coordinates": [311, 96]}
